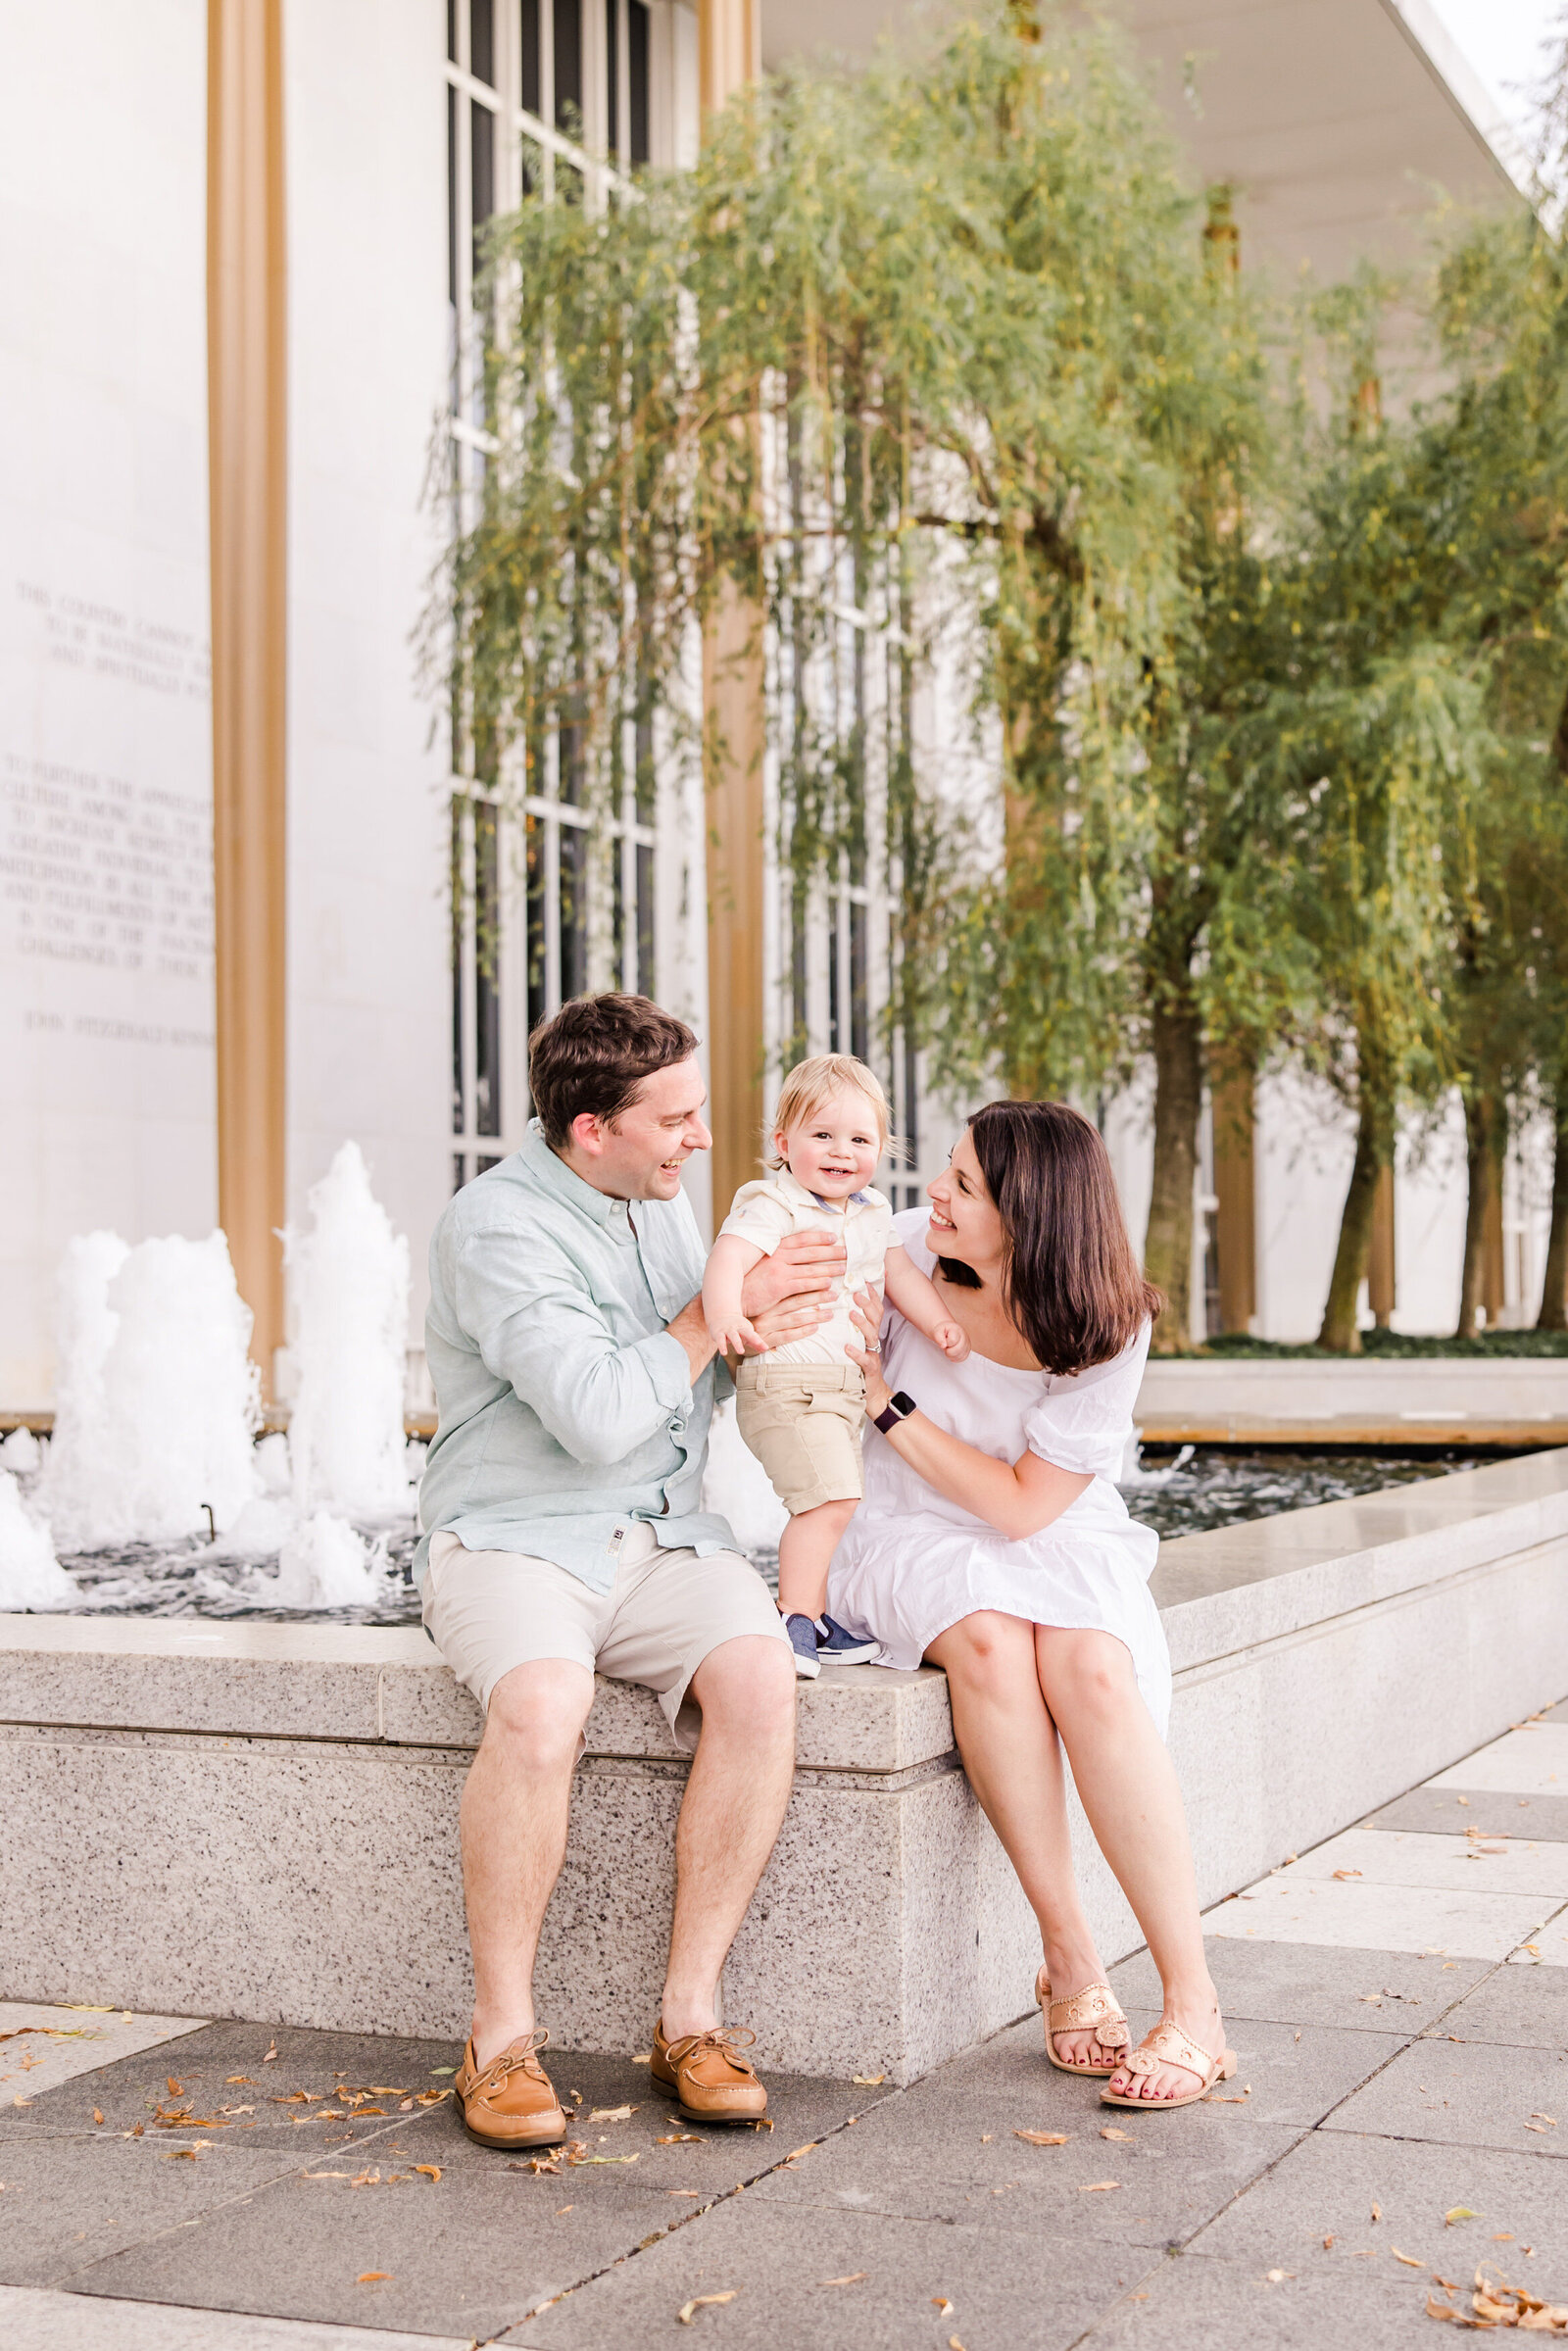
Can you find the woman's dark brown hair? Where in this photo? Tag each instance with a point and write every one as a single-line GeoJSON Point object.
{"type": "Point", "coordinates": [1072, 1284]}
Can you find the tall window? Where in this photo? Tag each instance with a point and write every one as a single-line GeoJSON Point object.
{"type": "Point", "coordinates": [552, 893]}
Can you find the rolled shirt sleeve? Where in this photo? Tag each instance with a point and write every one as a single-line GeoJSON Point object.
{"type": "Point", "coordinates": [759, 1215]}
{"type": "Point", "coordinates": [537, 1326]}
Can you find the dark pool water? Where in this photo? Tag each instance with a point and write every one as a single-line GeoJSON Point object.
{"type": "Point", "coordinates": [1177, 1494]}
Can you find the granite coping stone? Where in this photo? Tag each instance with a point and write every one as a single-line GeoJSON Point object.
{"type": "Point", "coordinates": [1220, 1593]}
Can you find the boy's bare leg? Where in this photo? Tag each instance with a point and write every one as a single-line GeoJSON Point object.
{"type": "Point", "coordinates": [734, 1805]}
{"type": "Point", "coordinates": [514, 1822]}
{"type": "Point", "coordinates": [806, 1551]}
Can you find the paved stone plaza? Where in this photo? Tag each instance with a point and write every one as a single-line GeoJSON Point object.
{"type": "Point", "coordinates": [1399, 1999]}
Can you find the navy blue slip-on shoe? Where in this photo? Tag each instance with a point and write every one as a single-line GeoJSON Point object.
{"type": "Point", "coordinates": [836, 1646]}
{"type": "Point", "coordinates": [803, 1641]}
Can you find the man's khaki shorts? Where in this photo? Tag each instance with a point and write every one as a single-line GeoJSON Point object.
{"type": "Point", "coordinates": [487, 1611]}
{"type": "Point", "coordinates": [802, 1422]}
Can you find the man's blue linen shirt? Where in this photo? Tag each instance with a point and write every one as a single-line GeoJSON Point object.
{"type": "Point", "coordinates": [566, 1406]}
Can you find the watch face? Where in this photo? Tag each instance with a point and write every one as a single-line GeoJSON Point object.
{"type": "Point", "coordinates": [904, 1403]}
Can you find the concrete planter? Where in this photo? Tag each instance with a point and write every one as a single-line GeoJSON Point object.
{"type": "Point", "coordinates": [260, 1820]}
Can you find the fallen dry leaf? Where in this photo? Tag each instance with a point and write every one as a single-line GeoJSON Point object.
{"type": "Point", "coordinates": [867, 2080]}
{"type": "Point", "coordinates": [1043, 2138]}
{"type": "Point", "coordinates": [367, 2180]}
{"type": "Point", "coordinates": [580, 2163]}
{"type": "Point", "coordinates": [1346, 1873]}
{"type": "Point", "coordinates": [135, 2134]}
{"type": "Point", "coordinates": [1278, 2277]}
{"type": "Point", "coordinates": [325, 2175]}
{"type": "Point", "coordinates": [1458, 2212]}
{"type": "Point", "coordinates": [1098, 2188]}
{"type": "Point", "coordinates": [680, 2138]}
{"type": "Point", "coordinates": [270, 2054]}
{"type": "Point", "coordinates": [431, 2171]}
{"type": "Point", "coordinates": [643, 2057]}
{"type": "Point", "coordinates": [940, 2302]}
{"type": "Point", "coordinates": [562, 2209]}
{"type": "Point", "coordinates": [371, 2277]}
{"type": "Point", "coordinates": [1377, 2212]}
{"type": "Point", "coordinates": [855, 2277]}
{"type": "Point", "coordinates": [175, 2088]}
{"type": "Point", "coordinates": [97, 2114]}
{"type": "Point", "coordinates": [545, 2164]}
{"type": "Point", "coordinates": [688, 2309]}
{"type": "Point", "coordinates": [1110, 2131]}
{"type": "Point", "coordinates": [242, 2080]}
{"type": "Point", "coordinates": [611, 2114]}
{"type": "Point", "coordinates": [953, 2344]}
{"type": "Point", "coordinates": [795, 2153]}
{"type": "Point", "coordinates": [1328, 2244]}
{"type": "Point", "coordinates": [1410, 2259]}
{"type": "Point", "coordinates": [20, 2100]}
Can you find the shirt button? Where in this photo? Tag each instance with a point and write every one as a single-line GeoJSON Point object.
{"type": "Point", "coordinates": [677, 1427]}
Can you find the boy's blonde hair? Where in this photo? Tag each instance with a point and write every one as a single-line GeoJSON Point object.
{"type": "Point", "coordinates": [809, 1083]}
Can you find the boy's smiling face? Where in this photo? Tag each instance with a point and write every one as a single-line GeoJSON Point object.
{"type": "Point", "coordinates": [834, 1149]}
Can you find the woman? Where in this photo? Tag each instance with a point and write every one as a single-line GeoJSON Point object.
{"type": "Point", "coordinates": [991, 1542]}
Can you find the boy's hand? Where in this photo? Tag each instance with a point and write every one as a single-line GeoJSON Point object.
{"type": "Point", "coordinates": [738, 1338]}
{"type": "Point", "coordinates": [953, 1340]}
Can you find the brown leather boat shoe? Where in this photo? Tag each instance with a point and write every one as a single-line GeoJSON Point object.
{"type": "Point", "coordinates": [510, 2102]}
{"type": "Point", "coordinates": [712, 2081]}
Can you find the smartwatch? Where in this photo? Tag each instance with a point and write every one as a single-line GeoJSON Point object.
{"type": "Point", "coordinates": [898, 1407]}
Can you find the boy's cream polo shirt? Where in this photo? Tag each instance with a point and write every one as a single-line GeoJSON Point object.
{"type": "Point", "coordinates": [764, 1212]}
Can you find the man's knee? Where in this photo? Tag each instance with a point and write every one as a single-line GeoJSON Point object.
{"type": "Point", "coordinates": [537, 1712]}
{"type": "Point", "coordinates": [748, 1685]}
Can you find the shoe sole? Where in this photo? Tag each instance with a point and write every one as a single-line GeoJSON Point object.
{"type": "Point", "coordinates": [511, 2146]}
{"type": "Point", "coordinates": [689, 2114]}
{"type": "Point", "coordinates": [862, 1657]}
{"type": "Point", "coordinates": [806, 1669]}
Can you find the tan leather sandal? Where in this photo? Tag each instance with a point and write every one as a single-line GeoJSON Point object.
{"type": "Point", "coordinates": [1092, 2010]}
{"type": "Point", "coordinates": [1168, 2044]}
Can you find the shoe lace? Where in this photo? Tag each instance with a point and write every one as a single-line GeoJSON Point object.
{"type": "Point", "coordinates": [727, 2039]}
{"type": "Point", "coordinates": [519, 2058]}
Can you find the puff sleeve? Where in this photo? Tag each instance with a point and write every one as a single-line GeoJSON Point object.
{"type": "Point", "coordinates": [1082, 1423]}
{"type": "Point", "coordinates": [760, 1213]}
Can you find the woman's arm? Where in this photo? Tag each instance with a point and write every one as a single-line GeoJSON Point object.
{"type": "Point", "coordinates": [1017, 1498]}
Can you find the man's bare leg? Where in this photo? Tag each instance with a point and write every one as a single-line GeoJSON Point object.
{"type": "Point", "coordinates": [734, 1808]}
{"type": "Point", "coordinates": [514, 1822]}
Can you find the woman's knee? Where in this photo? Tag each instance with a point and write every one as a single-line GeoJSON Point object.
{"type": "Point", "coordinates": [1084, 1673]}
{"type": "Point", "coordinates": [989, 1655]}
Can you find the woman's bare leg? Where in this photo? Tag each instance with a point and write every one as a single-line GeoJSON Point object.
{"type": "Point", "coordinates": [1127, 1784]}
{"type": "Point", "coordinates": [1013, 1763]}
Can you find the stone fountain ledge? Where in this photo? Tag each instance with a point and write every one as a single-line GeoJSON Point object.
{"type": "Point", "coordinates": [259, 1820]}
{"type": "Point", "coordinates": [1386, 1400]}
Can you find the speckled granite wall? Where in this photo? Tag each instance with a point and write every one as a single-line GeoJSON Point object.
{"type": "Point", "coordinates": [260, 1820]}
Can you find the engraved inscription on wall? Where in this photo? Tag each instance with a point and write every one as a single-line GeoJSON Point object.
{"type": "Point", "coordinates": [99, 872]}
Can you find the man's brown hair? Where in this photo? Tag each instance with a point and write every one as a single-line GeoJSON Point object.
{"type": "Point", "coordinates": [590, 1060]}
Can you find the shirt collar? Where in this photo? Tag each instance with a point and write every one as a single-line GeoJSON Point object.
{"type": "Point", "coordinates": [565, 1182]}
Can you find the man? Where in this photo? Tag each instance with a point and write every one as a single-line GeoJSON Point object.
{"type": "Point", "coordinates": [564, 1533]}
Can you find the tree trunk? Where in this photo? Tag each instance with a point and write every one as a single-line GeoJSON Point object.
{"type": "Point", "coordinates": [1483, 1157]}
{"type": "Point", "coordinates": [1553, 1315]}
{"type": "Point", "coordinates": [1353, 1253]}
{"type": "Point", "coordinates": [1178, 1044]}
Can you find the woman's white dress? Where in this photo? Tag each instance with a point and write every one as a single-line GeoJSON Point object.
{"type": "Point", "coordinates": [913, 1564]}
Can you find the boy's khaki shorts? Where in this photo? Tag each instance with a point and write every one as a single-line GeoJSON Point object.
{"type": "Point", "coordinates": [802, 1421]}
{"type": "Point", "coordinates": [487, 1611]}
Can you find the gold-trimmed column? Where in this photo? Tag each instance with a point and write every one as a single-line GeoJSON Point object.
{"type": "Point", "coordinates": [247, 412]}
{"type": "Point", "coordinates": [729, 56]}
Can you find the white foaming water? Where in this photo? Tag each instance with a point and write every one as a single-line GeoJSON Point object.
{"type": "Point", "coordinates": [21, 1452]}
{"type": "Point", "coordinates": [350, 1281]}
{"type": "Point", "coordinates": [1132, 1471]}
{"type": "Point", "coordinates": [30, 1575]}
{"type": "Point", "coordinates": [157, 1399]}
{"type": "Point", "coordinates": [325, 1564]}
{"type": "Point", "coordinates": [736, 1487]}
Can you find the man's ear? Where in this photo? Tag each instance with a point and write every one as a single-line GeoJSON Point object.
{"type": "Point", "coordinates": [588, 1133]}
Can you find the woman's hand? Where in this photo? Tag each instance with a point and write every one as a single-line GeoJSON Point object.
{"type": "Point", "coordinates": [865, 1313]}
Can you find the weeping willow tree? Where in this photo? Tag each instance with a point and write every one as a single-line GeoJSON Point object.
{"type": "Point", "coordinates": [927, 363]}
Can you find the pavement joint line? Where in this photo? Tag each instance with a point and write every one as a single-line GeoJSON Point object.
{"type": "Point", "coordinates": [685, 2219]}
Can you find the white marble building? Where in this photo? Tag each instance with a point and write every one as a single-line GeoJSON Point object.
{"type": "Point", "coordinates": [400, 127]}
